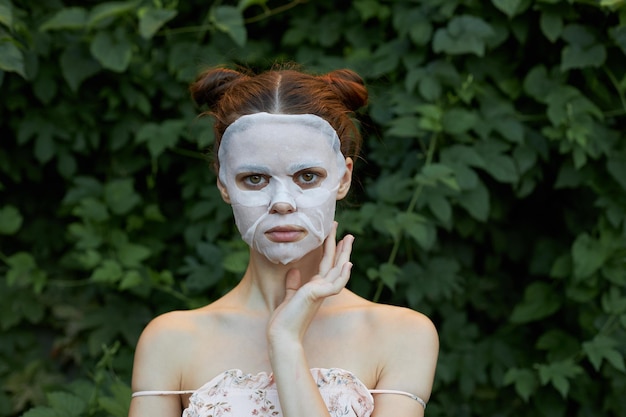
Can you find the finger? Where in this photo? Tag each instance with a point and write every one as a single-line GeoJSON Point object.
{"type": "Point", "coordinates": [343, 277]}
{"type": "Point", "coordinates": [328, 259]}
{"type": "Point", "coordinates": [344, 250]}
{"type": "Point", "coordinates": [293, 282]}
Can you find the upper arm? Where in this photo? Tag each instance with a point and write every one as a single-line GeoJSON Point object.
{"type": "Point", "coordinates": [157, 368]}
{"type": "Point", "coordinates": [409, 362]}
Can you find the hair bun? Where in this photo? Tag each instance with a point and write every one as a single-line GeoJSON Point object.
{"type": "Point", "coordinates": [349, 86]}
{"type": "Point", "coordinates": [211, 85]}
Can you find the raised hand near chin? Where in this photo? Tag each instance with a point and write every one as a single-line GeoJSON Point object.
{"type": "Point", "coordinates": [292, 317]}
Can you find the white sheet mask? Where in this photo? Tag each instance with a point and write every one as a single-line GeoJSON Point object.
{"type": "Point", "coordinates": [281, 151]}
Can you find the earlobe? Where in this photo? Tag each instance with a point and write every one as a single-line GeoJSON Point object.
{"type": "Point", "coordinates": [223, 191]}
{"type": "Point", "coordinates": [346, 180]}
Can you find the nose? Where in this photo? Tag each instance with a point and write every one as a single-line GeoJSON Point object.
{"type": "Point", "coordinates": [282, 208]}
{"type": "Point", "coordinates": [282, 201]}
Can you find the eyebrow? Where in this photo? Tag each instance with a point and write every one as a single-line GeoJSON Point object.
{"type": "Point", "coordinates": [261, 169]}
{"type": "Point", "coordinates": [305, 165]}
{"type": "Point", "coordinates": [253, 168]}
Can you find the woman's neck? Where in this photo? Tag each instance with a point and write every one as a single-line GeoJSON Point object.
{"type": "Point", "coordinates": [263, 285]}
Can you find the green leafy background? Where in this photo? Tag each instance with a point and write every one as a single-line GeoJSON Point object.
{"type": "Point", "coordinates": [491, 194]}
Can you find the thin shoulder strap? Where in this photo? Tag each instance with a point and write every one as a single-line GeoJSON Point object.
{"type": "Point", "coordinates": [406, 394]}
{"type": "Point", "coordinates": [373, 391]}
{"type": "Point", "coordinates": [149, 393]}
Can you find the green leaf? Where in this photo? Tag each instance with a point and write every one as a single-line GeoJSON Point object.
{"type": "Point", "coordinates": [132, 254]}
{"type": "Point", "coordinates": [559, 374]}
{"type": "Point", "coordinates": [77, 65]}
{"type": "Point", "coordinates": [107, 12]}
{"type": "Point", "coordinates": [11, 58]}
{"type": "Point", "coordinates": [589, 255]}
{"type": "Point", "coordinates": [551, 25]}
{"type": "Point", "coordinates": [160, 137]}
{"type": "Point", "coordinates": [130, 279]}
{"type": "Point", "coordinates": [582, 51]}
{"type": "Point", "coordinates": [441, 280]}
{"type": "Point", "coordinates": [431, 117]}
{"type": "Point", "coordinates": [6, 13]}
{"type": "Point", "coordinates": [370, 8]}
{"type": "Point", "coordinates": [430, 88]}
{"type": "Point", "coordinates": [508, 7]}
{"type": "Point", "coordinates": [616, 165]}
{"type": "Point", "coordinates": [10, 220]}
{"type": "Point", "coordinates": [21, 264]}
{"type": "Point", "coordinates": [244, 4]}
{"type": "Point", "coordinates": [394, 188]}
{"type": "Point", "coordinates": [404, 127]}
{"type": "Point", "coordinates": [567, 105]}
{"type": "Point", "coordinates": [464, 34]}
{"type": "Point", "coordinates": [435, 173]}
{"type": "Point", "coordinates": [41, 412]}
{"type": "Point", "coordinates": [462, 154]}
{"type": "Point", "coordinates": [120, 196]}
{"type": "Point", "coordinates": [439, 206]}
{"type": "Point", "coordinates": [602, 348]}
{"type": "Point", "coordinates": [524, 380]}
{"type": "Point", "coordinates": [538, 83]}
{"type": "Point", "coordinates": [457, 120]}
{"type": "Point", "coordinates": [387, 273]}
{"type": "Point", "coordinates": [476, 201]}
{"type": "Point", "coordinates": [44, 146]}
{"type": "Point", "coordinates": [229, 20]}
{"type": "Point", "coordinates": [613, 302]}
{"type": "Point", "coordinates": [109, 272]}
{"type": "Point", "coordinates": [151, 20]}
{"type": "Point", "coordinates": [67, 404]}
{"type": "Point", "coordinates": [67, 18]}
{"type": "Point", "coordinates": [91, 209]}
{"type": "Point", "coordinates": [236, 261]}
{"type": "Point", "coordinates": [539, 302]}
{"type": "Point", "coordinates": [618, 34]}
{"type": "Point", "coordinates": [419, 228]}
{"type": "Point", "coordinates": [576, 57]}
{"type": "Point", "coordinates": [113, 51]}
{"type": "Point", "coordinates": [24, 272]}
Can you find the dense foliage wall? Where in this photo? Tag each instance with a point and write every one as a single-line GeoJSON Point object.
{"type": "Point", "coordinates": [491, 194]}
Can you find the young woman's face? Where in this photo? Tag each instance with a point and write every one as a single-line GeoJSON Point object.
{"type": "Point", "coordinates": [282, 178]}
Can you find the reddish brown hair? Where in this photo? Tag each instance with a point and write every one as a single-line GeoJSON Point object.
{"type": "Point", "coordinates": [334, 96]}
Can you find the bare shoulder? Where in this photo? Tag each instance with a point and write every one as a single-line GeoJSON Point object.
{"type": "Point", "coordinates": [403, 323]}
{"type": "Point", "coordinates": [408, 349]}
{"type": "Point", "coordinates": [162, 348]}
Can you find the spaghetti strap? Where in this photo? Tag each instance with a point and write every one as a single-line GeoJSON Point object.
{"type": "Point", "coordinates": [407, 394]}
{"type": "Point", "coordinates": [150, 393]}
{"type": "Point", "coordinates": [372, 391]}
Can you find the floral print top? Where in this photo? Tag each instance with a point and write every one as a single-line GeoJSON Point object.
{"type": "Point", "coordinates": [236, 394]}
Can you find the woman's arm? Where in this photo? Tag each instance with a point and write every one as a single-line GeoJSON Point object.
{"type": "Point", "coordinates": [410, 351]}
{"type": "Point", "coordinates": [156, 368]}
{"type": "Point", "coordinates": [297, 390]}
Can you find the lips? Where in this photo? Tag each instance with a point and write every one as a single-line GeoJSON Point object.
{"type": "Point", "coordinates": [285, 234]}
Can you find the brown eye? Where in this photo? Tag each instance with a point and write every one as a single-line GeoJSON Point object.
{"type": "Point", "coordinates": [254, 181]}
{"type": "Point", "coordinates": [309, 179]}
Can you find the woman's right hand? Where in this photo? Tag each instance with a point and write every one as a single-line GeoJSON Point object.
{"type": "Point", "coordinates": [292, 317]}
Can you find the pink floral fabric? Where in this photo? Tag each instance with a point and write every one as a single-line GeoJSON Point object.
{"type": "Point", "coordinates": [235, 394]}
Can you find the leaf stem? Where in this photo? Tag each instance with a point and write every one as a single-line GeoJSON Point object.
{"type": "Point", "coordinates": [615, 83]}
{"type": "Point", "coordinates": [432, 146]}
{"type": "Point", "coordinates": [275, 11]}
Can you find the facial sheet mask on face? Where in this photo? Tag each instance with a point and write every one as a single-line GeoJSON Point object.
{"type": "Point", "coordinates": [282, 173]}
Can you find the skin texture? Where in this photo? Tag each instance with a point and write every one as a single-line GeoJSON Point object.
{"type": "Point", "coordinates": [287, 319]}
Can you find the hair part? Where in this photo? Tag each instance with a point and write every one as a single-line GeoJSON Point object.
{"type": "Point", "coordinates": [335, 96]}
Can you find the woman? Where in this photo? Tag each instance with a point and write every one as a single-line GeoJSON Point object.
{"type": "Point", "coordinates": [289, 340]}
